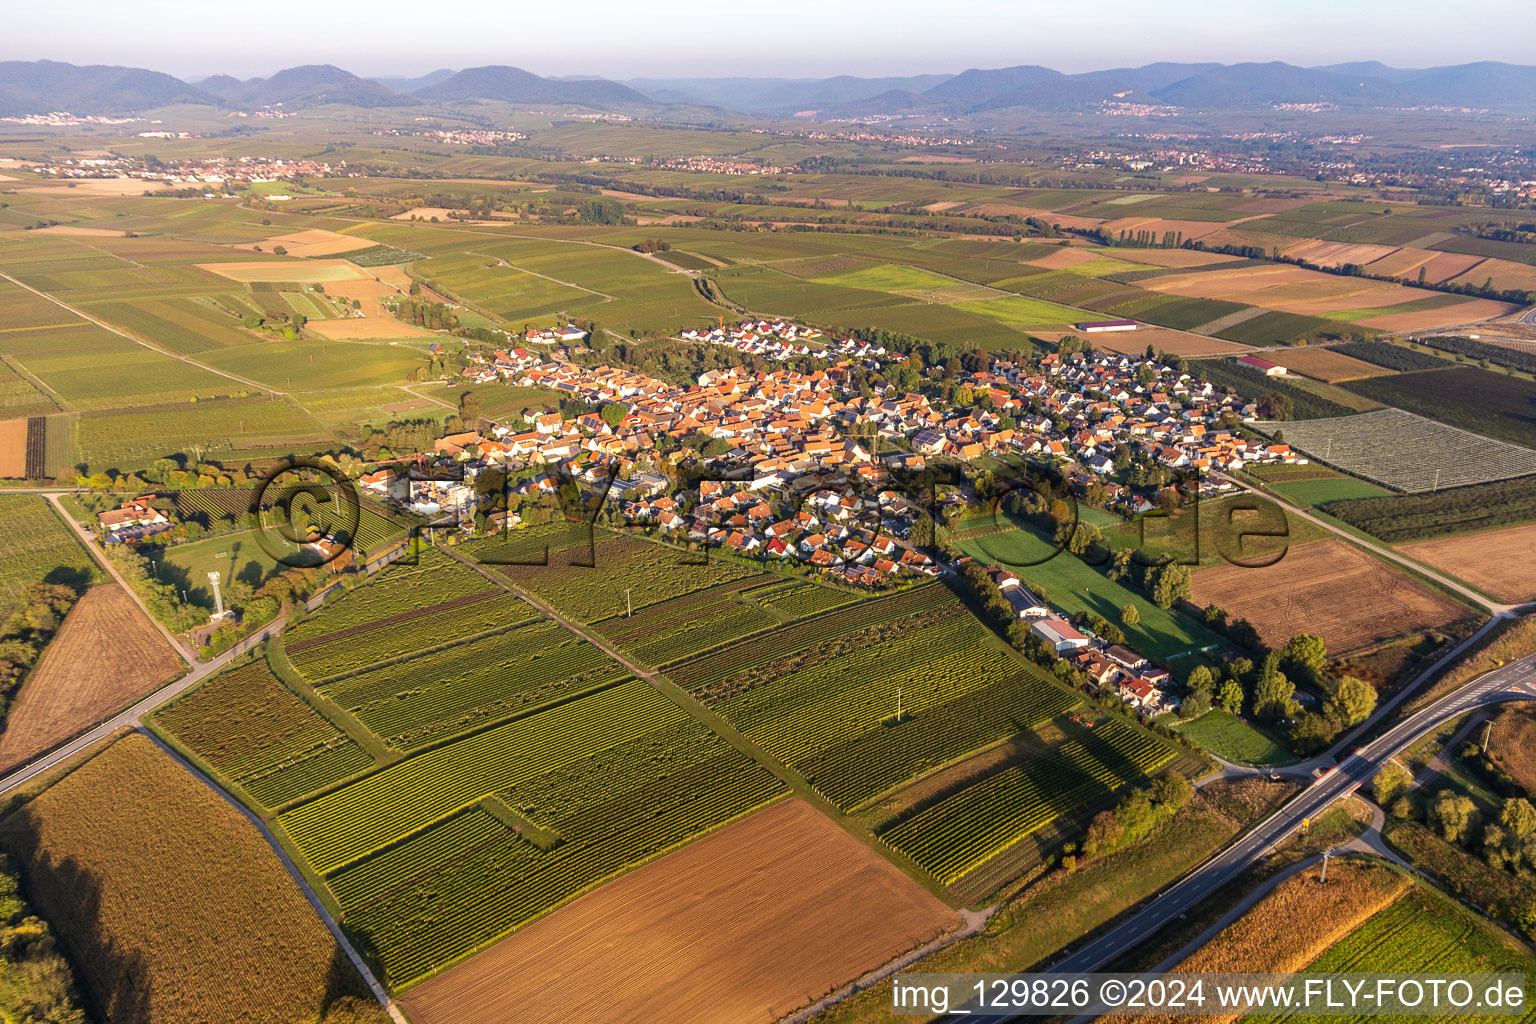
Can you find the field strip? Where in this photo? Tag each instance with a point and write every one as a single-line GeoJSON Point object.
{"type": "Point", "coordinates": [1221, 323]}
{"type": "Point", "coordinates": [137, 340]}
{"type": "Point", "coordinates": [532, 273]}
{"type": "Point", "coordinates": [39, 327]}
{"type": "Point", "coordinates": [293, 872]}
{"type": "Point", "coordinates": [724, 729]}
{"type": "Point", "coordinates": [26, 375]}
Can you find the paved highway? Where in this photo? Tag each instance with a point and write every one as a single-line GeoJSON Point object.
{"type": "Point", "coordinates": [1516, 681]}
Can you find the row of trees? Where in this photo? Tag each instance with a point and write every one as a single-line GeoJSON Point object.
{"type": "Point", "coordinates": [26, 631]}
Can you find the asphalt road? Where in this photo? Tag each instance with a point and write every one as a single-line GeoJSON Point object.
{"type": "Point", "coordinates": [1516, 681]}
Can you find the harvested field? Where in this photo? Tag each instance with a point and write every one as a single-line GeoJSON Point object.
{"type": "Point", "coordinates": [1162, 339]}
{"type": "Point", "coordinates": [1504, 274]}
{"type": "Point", "coordinates": [367, 293]}
{"type": "Point", "coordinates": [1329, 366]}
{"type": "Point", "coordinates": [13, 448]}
{"type": "Point", "coordinates": [1294, 924]}
{"type": "Point", "coordinates": [1512, 744]}
{"type": "Point", "coordinates": [746, 925]}
{"type": "Point", "coordinates": [312, 242]}
{"type": "Point", "coordinates": [100, 187]}
{"type": "Point", "coordinates": [1467, 312]}
{"type": "Point", "coordinates": [1065, 256]}
{"type": "Point", "coordinates": [107, 655]}
{"type": "Point", "coordinates": [1173, 257]}
{"type": "Point", "coordinates": [1297, 290]}
{"type": "Point", "coordinates": [79, 231]}
{"type": "Point", "coordinates": [1336, 254]}
{"type": "Point", "coordinates": [1447, 265]}
{"type": "Point", "coordinates": [364, 327]}
{"type": "Point", "coordinates": [1159, 226]}
{"type": "Point", "coordinates": [172, 907]}
{"type": "Point", "coordinates": [1301, 594]}
{"type": "Point", "coordinates": [305, 271]}
{"type": "Point", "coordinates": [1501, 562]}
{"type": "Point", "coordinates": [1404, 262]}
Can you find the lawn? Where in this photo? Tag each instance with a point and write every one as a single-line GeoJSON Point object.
{"type": "Point", "coordinates": [236, 556]}
{"type": "Point", "coordinates": [1233, 739]}
{"type": "Point", "coordinates": [1317, 492]}
{"type": "Point", "coordinates": [1071, 585]}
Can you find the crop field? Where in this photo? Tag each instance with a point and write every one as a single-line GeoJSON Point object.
{"type": "Point", "coordinates": [305, 271]}
{"type": "Point", "coordinates": [1300, 594]}
{"type": "Point", "coordinates": [1329, 365]}
{"type": "Point", "coordinates": [1459, 510]}
{"type": "Point", "coordinates": [1251, 385]}
{"type": "Point", "coordinates": [588, 578]}
{"type": "Point", "coordinates": [134, 438]}
{"type": "Point", "coordinates": [1512, 744]}
{"type": "Point", "coordinates": [180, 324]}
{"type": "Point", "coordinates": [1324, 486]}
{"type": "Point", "coordinates": [700, 672]}
{"type": "Point", "coordinates": [825, 909]}
{"type": "Point", "coordinates": [444, 852]}
{"type": "Point", "coordinates": [19, 398]}
{"type": "Point", "coordinates": [1392, 357]}
{"type": "Point", "coordinates": [253, 730]}
{"type": "Point", "coordinates": [38, 548]}
{"type": "Point", "coordinates": [1423, 933]}
{"type": "Point", "coordinates": [704, 619]}
{"type": "Point", "coordinates": [1487, 403]}
{"type": "Point", "coordinates": [106, 853]}
{"type": "Point", "coordinates": [799, 600]}
{"type": "Point", "coordinates": [1499, 562]}
{"type": "Point", "coordinates": [1403, 451]}
{"type": "Point", "coordinates": [417, 700]}
{"type": "Point", "coordinates": [310, 365]}
{"type": "Point", "coordinates": [961, 833]}
{"type": "Point", "coordinates": [105, 656]}
{"type": "Point", "coordinates": [831, 712]}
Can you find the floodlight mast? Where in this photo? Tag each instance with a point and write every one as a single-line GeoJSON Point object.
{"type": "Point", "coordinates": [218, 600]}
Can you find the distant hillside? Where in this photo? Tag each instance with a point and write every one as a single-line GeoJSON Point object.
{"type": "Point", "coordinates": [312, 85]}
{"type": "Point", "coordinates": [1247, 86]}
{"type": "Point", "coordinates": [412, 84]}
{"type": "Point", "coordinates": [1371, 69]}
{"type": "Point", "coordinates": [1148, 78]}
{"type": "Point", "coordinates": [1485, 84]}
{"type": "Point", "coordinates": [43, 86]}
{"type": "Point", "coordinates": [1028, 85]}
{"type": "Point", "coordinates": [514, 85]}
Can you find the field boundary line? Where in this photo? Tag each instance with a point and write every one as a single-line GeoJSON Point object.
{"type": "Point", "coordinates": [288, 865]}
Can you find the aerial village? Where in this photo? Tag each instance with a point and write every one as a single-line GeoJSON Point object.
{"type": "Point", "coordinates": [800, 468]}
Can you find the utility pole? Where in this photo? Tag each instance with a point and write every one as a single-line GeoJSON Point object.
{"type": "Point", "coordinates": [1326, 854]}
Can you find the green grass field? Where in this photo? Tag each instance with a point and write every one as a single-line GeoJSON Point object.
{"type": "Point", "coordinates": [1069, 584]}
{"type": "Point", "coordinates": [1317, 492]}
{"type": "Point", "coordinates": [1233, 739]}
{"type": "Point", "coordinates": [237, 556]}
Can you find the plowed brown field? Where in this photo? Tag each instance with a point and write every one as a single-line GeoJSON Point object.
{"type": "Point", "coordinates": [106, 655]}
{"type": "Point", "coordinates": [1500, 562]}
{"type": "Point", "coordinates": [747, 925]}
{"type": "Point", "coordinates": [1327, 365]}
{"type": "Point", "coordinates": [1330, 589]}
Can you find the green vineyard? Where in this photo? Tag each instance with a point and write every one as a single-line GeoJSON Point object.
{"type": "Point", "coordinates": [961, 833]}
{"type": "Point", "coordinates": [252, 729]}
{"type": "Point", "coordinates": [469, 878]}
{"type": "Point", "coordinates": [420, 699]}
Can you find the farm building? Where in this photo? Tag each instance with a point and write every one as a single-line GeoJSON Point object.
{"type": "Point", "coordinates": [1264, 366]}
{"type": "Point", "coordinates": [1059, 634]}
{"type": "Point", "coordinates": [1101, 326]}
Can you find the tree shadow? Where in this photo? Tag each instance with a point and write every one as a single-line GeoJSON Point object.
{"type": "Point", "coordinates": [115, 982]}
{"type": "Point", "coordinates": [74, 577]}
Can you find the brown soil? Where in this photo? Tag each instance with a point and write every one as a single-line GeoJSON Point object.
{"type": "Point", "coordinates": [1461, 313]}
{"type": "Point", "coordinates": [308, 271]}
{"type": "Point", "coordinates": [79, 231]}
{"type": "Point", "coordinates": [1064, 257]}
{"type": "Point", "coordinates": [1330, 589]}
{"type": "Point", "coordinates": [366, 327]}
{"type": "Point", "coordinates": [107, 655]}
{"type": "Point", "coordinates": [1327, 365]}
{"type": "Point", "coordinates": [13, 448]}
{"type": "Point", "coordinates": [1501, 562]}
{"type": "Point", "coordinates": [1173, 257]}
{"type": "Point", "coordinates": [312, 242]}
{"type": "Point", "coordinates": [746, 925]}
{"type": "Point", "coordinates": [1512, 744]}
{"type": "Point", "coordinates": [1162, 339]}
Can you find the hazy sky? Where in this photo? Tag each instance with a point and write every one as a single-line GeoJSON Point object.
{"type": "Point", "coordinates": [680, 38]}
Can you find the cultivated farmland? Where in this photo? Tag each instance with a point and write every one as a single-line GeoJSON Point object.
{"type": "Point", "coordinates": [1501, 562]}
{"type": "Point", "coordinates": [1300, 594]}
{"type": "Point", "coordinates": [1403, 451]}
{"type": "Point", "coordinates": [1329, 365]}
{"type": "Point", "coordinates": [106, 655]}
{"type": "Point", "coordinates": [670, 940]}
{"type": "Point", "coordinates": [38, 548]}
{"type": "Point", "coordinates": [1491, 404]}
{"type": "Point", "coordinates": [253, 730]}
{"type": "Point", "coordinates": [446, 851]}
{"type": "Point", "coordinates": [170, 905]}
